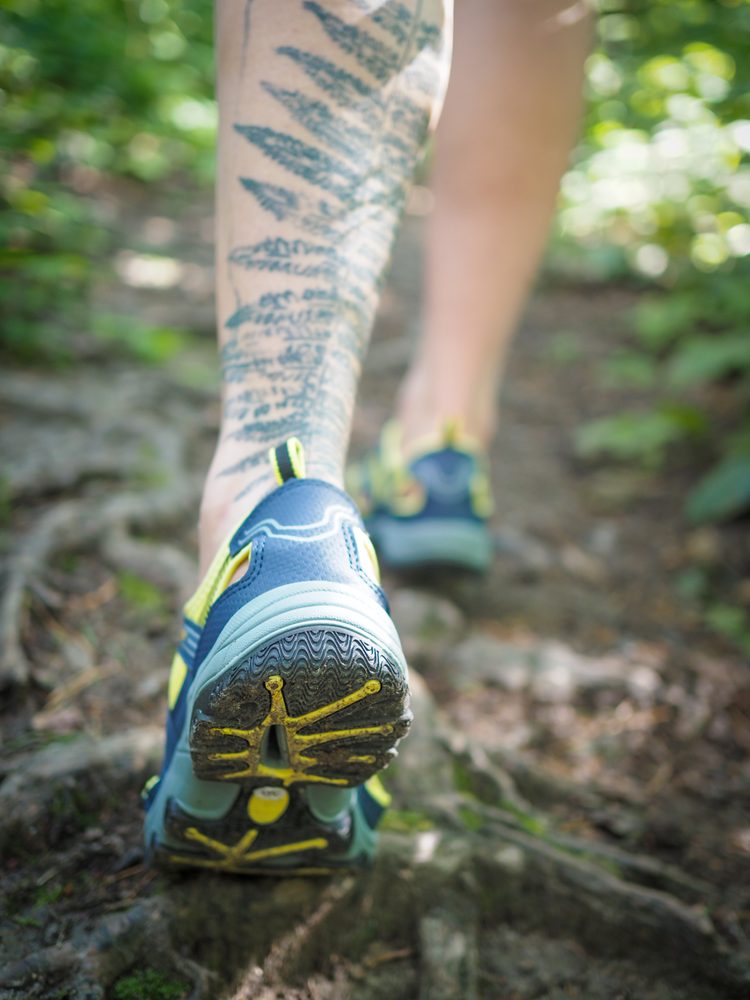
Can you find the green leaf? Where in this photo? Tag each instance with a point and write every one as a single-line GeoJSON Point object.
{"type": "Point", "coordinates": [151, 344]}
{"type": "Point", "coordinates": [708, 358]}
{"type": "Point", "coordinates": [731, 622]}
{"type": "Point", "coordinates": [630, 368]}
{"type": "Point", "coordinates": [642, 437]}
{"type": "Point", "coordinates": [659, 321]}
{"type": "Point", "coordinates": [723, 493]}
{"type": "Point", "coordinates": [140, 593]}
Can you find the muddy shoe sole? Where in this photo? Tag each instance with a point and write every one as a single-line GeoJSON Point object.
{"type": "Point", "coordinates": [275, 746]}
{"type": "Point", "coordinates": [314, 706]}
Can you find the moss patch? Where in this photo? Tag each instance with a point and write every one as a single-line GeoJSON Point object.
{"type": "Point", "coordinates": [148, 984]}
{"type": "Point", "coordinates": [140, 593]}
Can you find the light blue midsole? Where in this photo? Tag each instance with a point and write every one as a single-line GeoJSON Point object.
{"type": "Point", "coordinates": [431, 540]}
{"type": "Point", "coordinates": [293, 606]}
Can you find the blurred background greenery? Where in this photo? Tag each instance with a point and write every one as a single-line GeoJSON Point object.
{"type": "Point", "coordinates": [657, 195]}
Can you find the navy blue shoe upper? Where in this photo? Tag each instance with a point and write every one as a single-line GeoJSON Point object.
{"type": "Point", "coordinates": [446, 477]}
{"type": "Point", "coordinates": [303, 531]}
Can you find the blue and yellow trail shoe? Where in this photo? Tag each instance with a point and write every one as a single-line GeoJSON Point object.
{"type": "Point", "coordinates": [431, 509]}
{"type": "Point", "coordinates": [288, 692]}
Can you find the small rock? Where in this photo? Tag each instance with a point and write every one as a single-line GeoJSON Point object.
{"type": "Point", "coordinates": [425, 844]}
{"type": "Point", "coordinates": [522, 547]}
{"type": "Point", "coordinates": [642, 683]}
{"type": "Point", "coordinates": [62, 720]}
{"type": "Point", "coordinates": [602, 540]}
{"type": "Point", "coordinates": [114, 845]}
{"type": "Point", "coordinates": [510, 858]}
{"type": "Point", "coordinates": [741, 840]}
{"type": "Point", "coordinates": [561, 672]}
{"type": "Point", "coordinates": [554, 683]}
{"type": "Point", "coordinates": [620, 822]}
{"type": "Point", "coordinates": [448, 951]}
{"type": "Point", "coordinates": [423, 763]}
{"type": "Point", "coordinates": [51, 933]}
{"type": "Point", "coordinates": [77, 653]}
{"type": "Point", "coordinates": [130, 857]}
{"type": "Point", "coordinates": [425, 621]}
{"type": "Point", "coordinates": [578, 563]}
{"type": "Point", "coordinates": [743, 592]}
{"type": "Point", "coordinates": [704, 546]}
{"type": "Point", "coordinates": [121, 753]}
{"type": "Point", "coordinates": [615, 488]}
{"type": "Point", "coordinates": [153, 684]}
{"type": "Point", "coordinates": [481, 659]}
{"type": "Point", "coordinates": [669, 831]}
{"type": "Point", "coordinates": [720, 727]}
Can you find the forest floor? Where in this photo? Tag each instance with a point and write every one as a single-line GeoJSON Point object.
{"type": "Point", "coordinates": [572, 810]}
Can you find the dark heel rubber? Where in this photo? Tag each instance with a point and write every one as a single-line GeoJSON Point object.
{"type": "Point", "coordinates": [314, 706]}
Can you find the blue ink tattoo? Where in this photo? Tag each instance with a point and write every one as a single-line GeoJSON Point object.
{"type": "Point", "coordinates": [352, 112]}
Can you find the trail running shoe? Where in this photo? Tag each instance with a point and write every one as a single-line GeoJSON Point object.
{"type": "Point", "coordinates": [430, 510]}
{"type": "Point", "coordinates": [288, 692]}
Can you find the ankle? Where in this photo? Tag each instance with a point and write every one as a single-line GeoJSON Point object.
{"type": "Point", "coordinates": [232, 488]}
{"type": "Point", "coordinates": [424, 413]}
{"type": "Point", "coordinates": [223, 507]}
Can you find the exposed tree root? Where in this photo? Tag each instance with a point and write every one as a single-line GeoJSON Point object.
{"type": "Point", "coordinates": [493, 786]}
{"type": "Point", "coordinates": [164, 565]}
{"type": "Point", "coordinates": [79, 523]}
{"type": "Point", "coordinates": [150, 451]}
{"type": "Point", "coordinates": [477, 854]}
{"type": "Point", "coordinates": [48, 964]}
{"type": "Point", "coordinates": [39, 789]}
{"type": "Point", "coordinates": [416, 921]}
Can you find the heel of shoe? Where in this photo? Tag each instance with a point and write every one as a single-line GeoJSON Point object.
{"type": "Point", "coordinates": [405, 544]}
{"type": "Point", "coordinates": [316, 705]}
{"type": "Point", "coordinates": [303, 696]}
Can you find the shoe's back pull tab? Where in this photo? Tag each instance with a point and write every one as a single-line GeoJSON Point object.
{"type": "Point", "coordinates": [451, 432]}
{"type": "Point", "coordinates": [288, 460]}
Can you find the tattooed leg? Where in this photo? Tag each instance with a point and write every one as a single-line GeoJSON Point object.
{"type": "Point", "coordinates": [510, 116]}
{"type": "Point", "coordinates": [324, 108]}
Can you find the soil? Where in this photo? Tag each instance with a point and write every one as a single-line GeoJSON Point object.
{"type": "Point", "coordinates": [572, 811]}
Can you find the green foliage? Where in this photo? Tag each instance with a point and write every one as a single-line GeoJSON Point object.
{"type": "Point", "coordinates": [45, 895]}
{"type": "Point", "coordinates": [148, 343]}
{"type": "Point", "coordinates": [140, 593]}
{"type": "Point", "coordinates": [697, 589]}
{"type": "Point", "coordinates": [732, 622]}
{"type": "Point", "coordinates": [5, 502]}
{"type": "Point", "coordinates": [88, 90]}
{"type": "Point", "coordinates": [659, 189]}
{"type": "Point", "coordinates": [629, 368]}
{"type": "Point", "coordinates": [662, 169]}
{"type": "Point", "coordinates": [148, 984]}
{"type": "Point", "coordinates": [642, 437]}
{"type": "Point", "coordinates": [470, 818]}
{"type": "Point", "coordinates": [687, 340]}
{"type": "Point", "coordinates": [405, 821]}
{"type": "Point", "coordinates": [659, 320]}
{"type": "Point", "coordinates": [725, 491]}
{"type": "Point", "coordinates": [706, 357]}
{"type": "Point", "coordinates": [662, 173]}
{"type": "Point", "coordinates": [565, 347]}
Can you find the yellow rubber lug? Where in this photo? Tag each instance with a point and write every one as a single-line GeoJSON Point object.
{"type": "Point", "coordinates": [267, 805]}
{"type": "Point", "coordinates": [300, 762]}
{"type": "Point", "coordinates": [177, 676]}
{"type": "Point", "coordinates": [240, 853]}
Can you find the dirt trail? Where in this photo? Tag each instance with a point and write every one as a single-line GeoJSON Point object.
{"type": "Point", "coordinates": [571, 815]}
